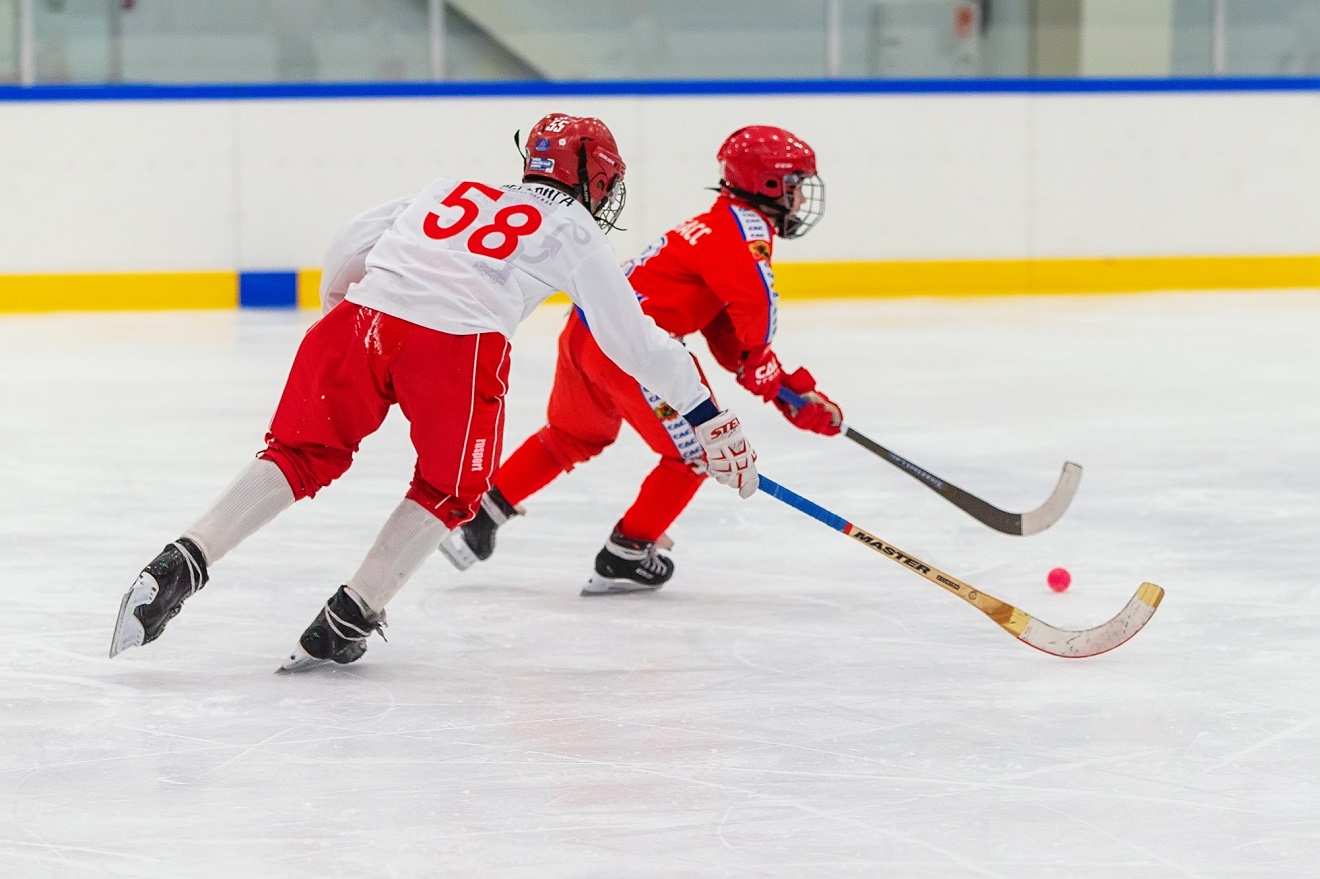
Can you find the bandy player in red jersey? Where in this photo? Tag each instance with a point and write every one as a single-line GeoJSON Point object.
{"type": "Point", "coordinates": [712, 275]}
{"type": "Point", "coordinates": [455, 270]}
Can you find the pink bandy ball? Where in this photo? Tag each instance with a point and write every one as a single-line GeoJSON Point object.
{"type": "Point", "coordinates": [1059, 579]}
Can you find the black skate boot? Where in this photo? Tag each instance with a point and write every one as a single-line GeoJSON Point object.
{"type": "Point", "coordinates": [627, 565]}
{"type": "Point", "coordinates": [474, 540]}
{"type": "Point", "coordinates": [338, 634]}
{"type": "Point", "coordinates": [158, 594]}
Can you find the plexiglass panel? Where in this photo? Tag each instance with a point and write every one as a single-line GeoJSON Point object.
{"type": "Point", "coordinates": [90, 41]}
{"type": "Point", "coordinates": [9, 42]}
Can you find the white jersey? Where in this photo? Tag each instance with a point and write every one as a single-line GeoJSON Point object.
{"type": "Point", "coordinates": [346, 259]}
{"type": "Point", "coordinates": [465, 257]}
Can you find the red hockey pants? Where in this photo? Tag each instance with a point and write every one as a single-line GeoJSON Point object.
{"type": "Point", "coordinates": [590, 400]}
{"type": "Point", "coordinates": [353, 365]}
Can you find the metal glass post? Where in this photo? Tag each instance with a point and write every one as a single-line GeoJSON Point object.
{"type": "Point", "coordinates": [115, 66]}
{"type": "Point", "coordinates": [833, 39]}
{"type": "Point", "coordinates": [1219, 38]}
{"type": "Point", "coordinates": [435, 20]}
{"type": "Point", "coordinates": [27, 43]}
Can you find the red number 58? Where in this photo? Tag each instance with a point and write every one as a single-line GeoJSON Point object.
{"type": "Point", "coordinates": [503, 230]}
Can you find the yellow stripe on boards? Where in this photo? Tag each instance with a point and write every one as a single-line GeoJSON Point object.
{"type": "Point", "coordinates": [119, 292]}
{"type": "Point", "coordinates": [1000, 277]}
{"type": "Point", "coordinates": [309, 288]}
{"type": "Point", "coordinates": [846, 280]}
{"type": "Point", "coordinates": [824, 280]}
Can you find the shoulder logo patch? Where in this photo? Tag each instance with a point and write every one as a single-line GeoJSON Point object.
{"type": "Point", "coordinates": [750, 223]}
{"type": "Point", "coordinates": [760, 250]}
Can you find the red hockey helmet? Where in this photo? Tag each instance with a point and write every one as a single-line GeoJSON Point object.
{"type": "Point", "coordinates": [774, 171]}
{"type": "Point", "coordinates": [579, 152]}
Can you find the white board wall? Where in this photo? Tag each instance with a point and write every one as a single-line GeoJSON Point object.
{"type": "Point", "coordinates": [262, 184]}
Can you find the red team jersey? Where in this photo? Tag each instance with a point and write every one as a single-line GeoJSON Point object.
{"type": "Point", "coordinates": [712, 274]}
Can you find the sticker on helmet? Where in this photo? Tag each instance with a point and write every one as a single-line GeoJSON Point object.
{"type": "Point", "coordinates": [760, 250]}
{"type": "Point", "coordinates": [543, 143]}
{"type": "Point", "coordinates": [538, 164]}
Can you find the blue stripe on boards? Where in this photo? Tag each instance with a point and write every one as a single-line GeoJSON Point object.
{"type": "Point", "coordinates": [281, 91]}
{"type": "Point", "coordinates": [268, 289]}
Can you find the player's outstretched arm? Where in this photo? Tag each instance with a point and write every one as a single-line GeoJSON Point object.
{"type": "Point", "coordinates": [730, 458]}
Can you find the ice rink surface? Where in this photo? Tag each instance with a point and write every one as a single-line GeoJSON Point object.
{"type": "Point", "coordinates": [790, 705]}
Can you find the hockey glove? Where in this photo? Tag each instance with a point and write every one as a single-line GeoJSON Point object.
{"type": "Point", "coordinates": [820, 415]}
{"type": "Point", "coordinates": [760, 373]}
{"type": "Point", "coordinates": [729, 457]}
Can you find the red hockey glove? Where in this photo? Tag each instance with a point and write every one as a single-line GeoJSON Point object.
{"type": "Point", "coordinates": [760, 373]}
{"type": "Point", "coordinates": [820, 415]}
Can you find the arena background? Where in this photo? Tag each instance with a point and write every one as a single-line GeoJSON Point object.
{"type": "Point", "coordinates": [791, 704]}
{"type": "Point", "coordinates": [125, 190]}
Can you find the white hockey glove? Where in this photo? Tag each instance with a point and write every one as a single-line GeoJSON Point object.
{"type": "Point", "coordinates": [729, 457]}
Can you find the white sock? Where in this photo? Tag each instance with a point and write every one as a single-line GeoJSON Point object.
{"type": "Point", "coordinates": [259, 494]}
{"type": "Point", "coordinates": [411, 536]}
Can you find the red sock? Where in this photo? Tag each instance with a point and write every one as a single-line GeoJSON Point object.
{"type": "Point", "coordinates": [528, 470]}
{"type": "Point", "coordinates": [665, 493]}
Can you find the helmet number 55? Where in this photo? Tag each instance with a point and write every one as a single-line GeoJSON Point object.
{"type": "Point", "coordinates": [498, 239]}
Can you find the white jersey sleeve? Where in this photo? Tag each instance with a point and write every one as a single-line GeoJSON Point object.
{"type": "Point", "coordinates": [345, 261]}
{"type": "Point", "coordinates": [465, 257]}
{"type": "Point", "coordinates": [629, 337]}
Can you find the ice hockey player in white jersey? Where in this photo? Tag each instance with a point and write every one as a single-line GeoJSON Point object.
{"type": "Point", "coordinates": [428, 327]}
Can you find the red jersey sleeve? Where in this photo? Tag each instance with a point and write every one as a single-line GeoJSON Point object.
{"type": "Point", "coordinates": [735, 264]}
{"type": "Point", "coordinates": [723, 342]}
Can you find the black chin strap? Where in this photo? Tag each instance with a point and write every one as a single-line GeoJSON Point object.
{"type": "Point", "coordinates": [770, 205]}
{"type": "Point", "coordinates": [584, 182]}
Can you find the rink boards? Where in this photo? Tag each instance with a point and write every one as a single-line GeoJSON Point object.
{"type": "Point", "coordinates": [216, 196]}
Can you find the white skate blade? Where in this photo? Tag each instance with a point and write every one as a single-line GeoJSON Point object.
{"type": "Point", "coordinates": [300, 660]}
{"type": "Point", "coordinates": [598, 585]}
{"type": "Point", "coordinates": [128, 629]}
{"type": "Point", "coordinates": [455, 548]}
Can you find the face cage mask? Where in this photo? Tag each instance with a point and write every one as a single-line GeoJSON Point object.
{"type": "Point", "coordinates": [810, 209]}
{"type": "Point", "coordinates": [607, 212]}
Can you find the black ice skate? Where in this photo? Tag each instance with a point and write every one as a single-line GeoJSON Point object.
{"type": "Point", "coordinates": [338, 634]}
{"type": "Point", "coordinates": [158, 594]}
{"type": "Point", "coordinates": [627, 565]}
{"type": "Point", "coordinates": [474, 540]}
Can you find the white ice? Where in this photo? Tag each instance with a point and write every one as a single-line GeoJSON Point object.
{"type": "Point", "coordinates": [790, 705]}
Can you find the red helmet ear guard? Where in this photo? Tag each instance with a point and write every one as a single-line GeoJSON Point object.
{"type": "Point", "coordinates": [774, 171]}
{"type": "Point", "coordinates": [579, 152]}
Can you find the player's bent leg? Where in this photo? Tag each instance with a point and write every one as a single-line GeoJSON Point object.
{"type": "Point", "coordinates": [307, 469]}
{"type": "Point", "coordinates": [629, 561]}
{"type": "Point", "coordinates": [545, 455]}
{"type": "Point", "coordinates": [259, 494]}
{"type": "Point", "coordinates": [626, 564]}
{"type": "Point", "coordinates": [662, 498]}
{"type": "Point", "coordinates": [157, 595]}
{"type": "Point", "coordinates": [338, 634]}
{"type": "Point", "coordinates": [338, 391]}
{"type": "Point", "coordinates": [474, 540]}
{"type": "Point", "coordinates": [340, 630]}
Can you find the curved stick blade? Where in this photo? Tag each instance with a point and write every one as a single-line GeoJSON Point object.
{"type": "Point", "coordinates": [1056, 504]}
{"type": "Point", "coordinates": [1100, 639]}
